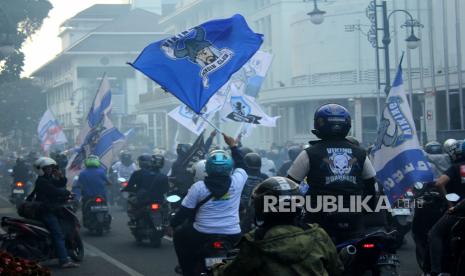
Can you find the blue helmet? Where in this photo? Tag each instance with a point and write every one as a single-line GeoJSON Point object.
{"type": "Point", "coordinates": [219, 162]}
{"type": "Point", "coordinates": [331, 120]}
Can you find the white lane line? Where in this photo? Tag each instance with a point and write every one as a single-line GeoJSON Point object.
{"type": "Point", "coordinates": [4, 199]}
{"type": "Point", "coordinates": [168, 238]}
{"type": "Point", "coordinates": [111, 260]}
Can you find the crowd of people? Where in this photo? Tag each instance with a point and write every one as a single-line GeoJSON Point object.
{"type": "Point", "coordinates": [223, 194]}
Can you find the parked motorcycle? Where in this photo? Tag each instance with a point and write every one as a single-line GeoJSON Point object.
{"type": "Point", "coordinates": [95, 215]}
{"type": "Point", "coordinates": [30, 239]}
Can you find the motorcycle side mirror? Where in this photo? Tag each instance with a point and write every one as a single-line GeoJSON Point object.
{"type": "Point", "coordinates": [452, 197]}
{"type": "Point", "coordinates": [121, 179]}
{"type": "Point", "coordinates": [173, 198]}
{"type": "Point", "coordinates": [418, 185]}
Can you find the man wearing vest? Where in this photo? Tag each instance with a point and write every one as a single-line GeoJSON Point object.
{"type": "Point", "coordinates": [334, 166]}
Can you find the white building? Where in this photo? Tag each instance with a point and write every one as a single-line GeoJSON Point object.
{"type": "Point", "coordinates": [334, 62]}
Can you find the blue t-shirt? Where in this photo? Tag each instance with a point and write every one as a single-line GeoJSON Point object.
{"type": "Point", "coordinates": [92, 182]}
{"type": "Point", "coordinates": [217, 216]}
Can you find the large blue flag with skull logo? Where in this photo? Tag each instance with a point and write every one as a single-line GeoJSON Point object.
{"type": "Point", "coordinates": [196, 63]}
{"type": "Point", "coordinates": [397, 155]}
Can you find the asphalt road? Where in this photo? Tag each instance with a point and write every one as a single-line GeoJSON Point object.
{"type": "Point", "coordinates": [116, 253]}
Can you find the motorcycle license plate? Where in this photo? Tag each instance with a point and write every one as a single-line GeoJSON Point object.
{"type": "Point", "coordinates": [388, 259]}
{"type": "Point", "coordinates": [98, 208]}
{"type": "Point", "coordinates": [209, 262]}
{"type": "Point", "coordinates": [401, 212]}
{"type": "Point", "coordinates": [18, 191]}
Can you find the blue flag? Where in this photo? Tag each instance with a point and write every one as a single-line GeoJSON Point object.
{"type": "Point", "coordinates": [397, 156]}
{"type": "Point", "coordinates": [196, 63]}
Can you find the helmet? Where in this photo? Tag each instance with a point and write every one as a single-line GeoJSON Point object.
{"type": "Point", "coordinates": [145, 161]}
{"type": "Point", "coordinates": [219, 162]}
{"type": "Point", "coordinates": [158, 151]}
{"type": "Point", "coordinates": [158, 161]}
{"type": "Point", "coordinates": [199, 170]}
{"type": "Point", "coordinates": [183, 149]}
{"type": "Point", "coordinates": [43, 162]}
{"type": "Point", "coordinates": [126, 158]}
{"type": "Point", "coordinates": [245, 150]}
{"type": "Point", "coordinates": [453, 148]}
{"type": "Point", "coordinates": [293, 152]}
{"type": "Point", "coordinates": [278, 187]}
{"type": "Point", "coordinates": [331, 120]}
{"type": "Point", "coordinates": [433, 148]}
{"type": "Point", "coordinates": [93, 161]}
{"type": "Point", "coordinates": [253, 161]}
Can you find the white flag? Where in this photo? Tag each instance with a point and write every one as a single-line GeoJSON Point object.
{"type": "Point", "coordinates": [50, 131]}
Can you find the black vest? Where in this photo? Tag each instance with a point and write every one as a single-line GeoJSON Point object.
{"type": "Point", "coordinates": [336, 167]}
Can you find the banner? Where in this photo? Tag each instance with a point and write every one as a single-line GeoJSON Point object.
{"type": "Point", "coordinates": [50, 132]}
{"type": "Point", "coordinates": [196, 63]}
{"type": "Point", "coordinates": [98, 136]}
{"type": "Point", "coordinates": [397, 156]}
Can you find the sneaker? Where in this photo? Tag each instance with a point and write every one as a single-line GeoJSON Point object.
{"type": "Point", "coordinates": [69, 265]}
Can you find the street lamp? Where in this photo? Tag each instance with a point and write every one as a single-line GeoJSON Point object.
{"type": "Point", "coordinates": [316, 16]}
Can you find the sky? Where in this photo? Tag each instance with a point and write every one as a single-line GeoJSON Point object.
{"type": "Point", "coordinates": [45, 44]}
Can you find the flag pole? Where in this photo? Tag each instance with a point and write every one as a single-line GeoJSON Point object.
{"type": "Point", "coordinates": [210, 123]}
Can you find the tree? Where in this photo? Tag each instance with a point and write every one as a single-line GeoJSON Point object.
{"type": "Point", "coordinates": [19, 19]}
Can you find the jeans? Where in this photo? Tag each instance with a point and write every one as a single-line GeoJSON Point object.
{"type": "Point", "coordinates": [187, 243]}
{"type": "Point", "coordinates": [439, 237]}
{"type": "Point", "coordinates": [53, 225]}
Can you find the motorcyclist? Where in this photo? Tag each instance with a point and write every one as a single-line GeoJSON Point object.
{"type": "Point", "coordinates": [253, 164]}
{"type": "Point", "coordinates": [21, 171]}
{"type": "Point", "coordinates": [148, 183]}
{"type": "Point", "coordinates": [61, 159]}
{"type": "Point", "coordinates": [268, 166]}
{"type": "Point", "coordinates": [125, 167]}
{"type": "Point", "coordinates": [439, 161]}
{"type": "Point", "coordinates": [281, 244]}
{"type": "Point", "coordinates": [292, 152]}
{"type": "Point", "coordinates": [212, 205]}
{"type": "Point", "coordinates": [181, 177]}
{"type": "Point", "coordinates": [50, 189]}
{"type": "Point", "coordinates": [199, 171]}
{"type": "Point", "coordinates": [452, 181]}
{"type": "Point", "coordinates": [93, 179]}
{"type": "Point", "coordinates": [334, 166]}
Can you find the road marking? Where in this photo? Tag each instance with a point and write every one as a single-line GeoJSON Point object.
{"type": "Point", "coordinates": [168, 238]}
{"type": "Point", "coordinates": [111, 260]}
{"type": "Point", "coordinates": [4, 199]}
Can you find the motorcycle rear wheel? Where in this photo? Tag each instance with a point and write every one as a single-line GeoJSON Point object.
{"type": "Point", "coordinates": [76, 252]}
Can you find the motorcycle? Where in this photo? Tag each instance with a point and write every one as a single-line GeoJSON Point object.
{"type": "Point", "coordinates": [429, 208]}
{"type": "Point", "coordinates": [148, 221]}
{"type": "Point", "coordinates": [18, 193]}
{"type": "Point", "coordinates": [32, 240]}
{"type": "Point", "coordinates": [121, 197]}
{"type": "Point", "coordinates": [401, 217]}
{"type": "Point", "coordinates": [95, 215]}
{"type": "Point", "coordinates": [458, 246]}
{"type": "Point", "coordinates": [374, 252]}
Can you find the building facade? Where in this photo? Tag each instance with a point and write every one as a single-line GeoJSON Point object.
{"type": "Point", "coordinates": [334, 62]}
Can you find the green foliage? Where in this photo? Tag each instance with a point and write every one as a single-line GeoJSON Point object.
{"type": "Point", "coordinates": [19, 19]}
{"type": "Point", "coordinates": [22, 104]}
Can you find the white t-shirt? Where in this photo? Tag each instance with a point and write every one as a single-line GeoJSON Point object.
{"type": "Point", "coordinates": [268, 167]}
{"type": "Point", "coordinates": [301, 167]}
{"type": "Point", "coordinates": [124, 171]}
{"type": "Point", "coordinates": [217, 216]}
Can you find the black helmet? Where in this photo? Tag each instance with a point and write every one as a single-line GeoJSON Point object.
{"type": "Point", "coordinates": [245, 150]}
{"type": "Point", "coordinates": [293, 152]}
{"type": "Point", "coordinates": [253, 161]}
{"type": "Point", "coordinates": [277, 187]}
{"type": "Point", "coordinates": [433, 147]}
{"type": "Point", "coordinates": [126, 158]}
{"type": "Point", "coordinates": [183, 149]}
{"type": "Point", "coordinates": [158, 161]}
{"type": "Point", "coordinates": [331, 120]}
{"type": "Point", "coordinates": [145, 161]}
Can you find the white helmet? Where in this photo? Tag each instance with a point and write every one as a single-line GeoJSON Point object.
{"type": "Point", "coordinates": [43, 162]}
{"type": "Point", "coordinates": [453, 148]}
{"type": "Point", "coordinates": [199, 171]}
